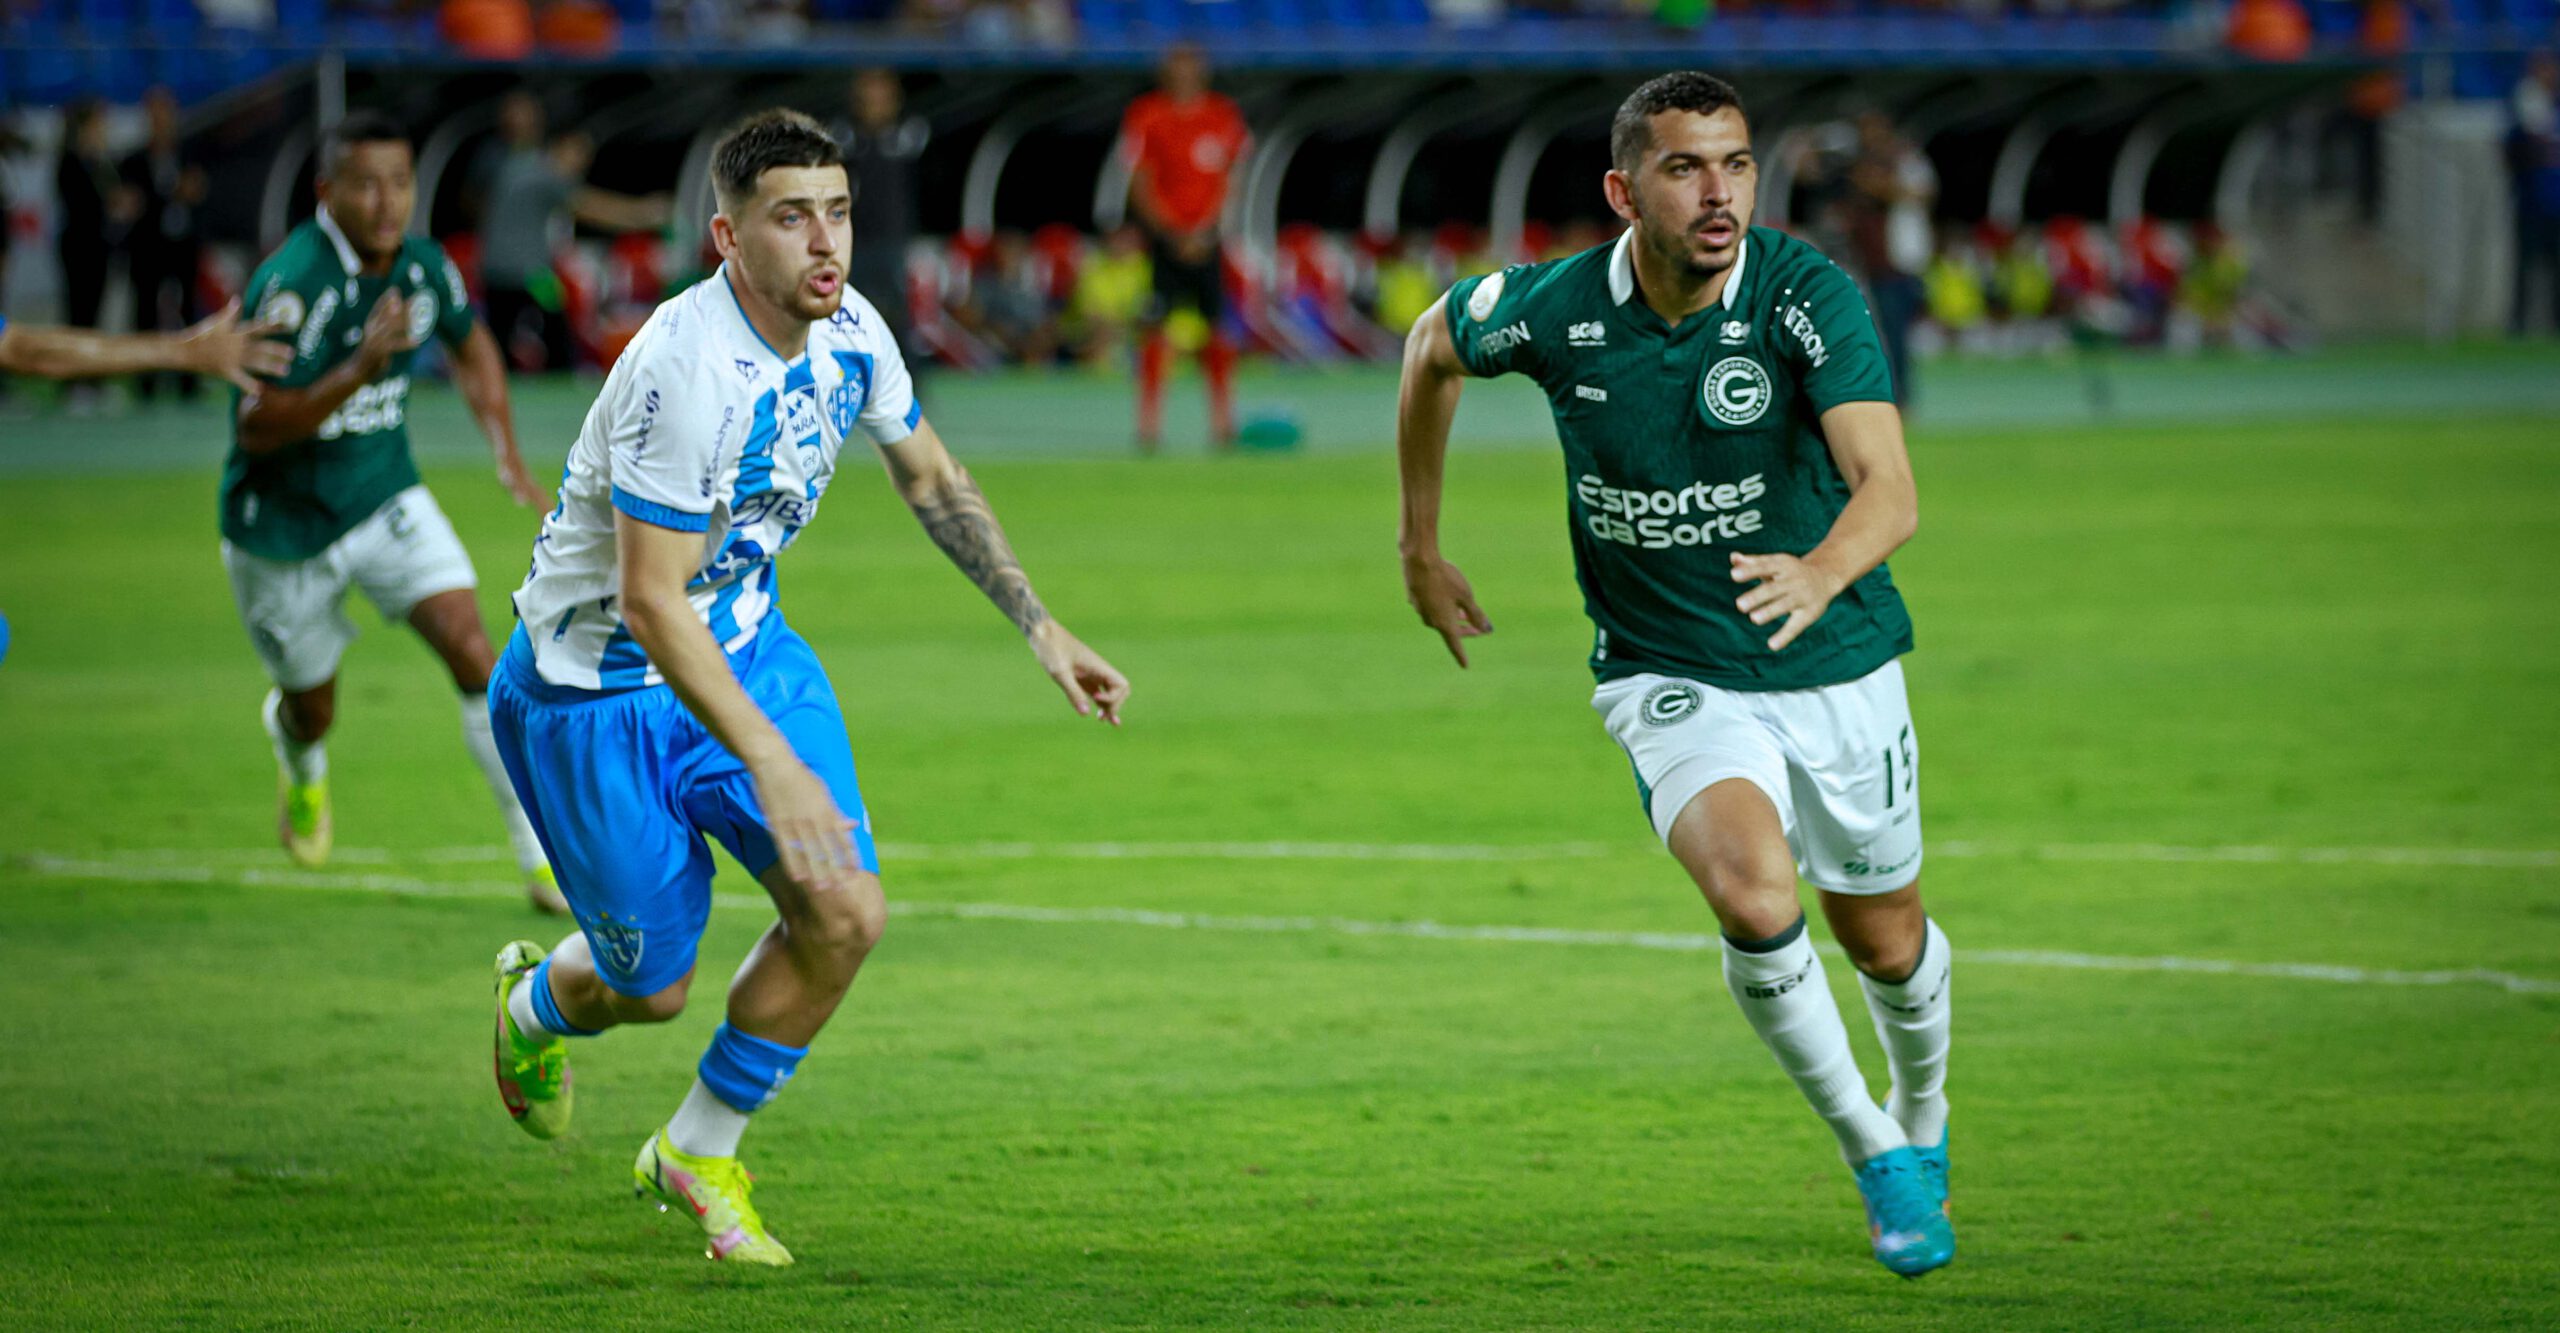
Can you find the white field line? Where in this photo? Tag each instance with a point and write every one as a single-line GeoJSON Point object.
{"type": "Point", "coordinates": [130, 872]}
{"type": "Point", "coordinates": [2152, 852]}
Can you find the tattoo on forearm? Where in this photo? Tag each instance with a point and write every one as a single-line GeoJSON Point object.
{"type": "Point", "coordinates": [960, 522]}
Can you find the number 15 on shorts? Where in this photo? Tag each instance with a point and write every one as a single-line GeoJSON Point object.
{"type": "Point", "coordinates": [1901, 768]}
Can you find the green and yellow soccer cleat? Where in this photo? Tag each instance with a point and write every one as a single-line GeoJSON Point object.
{"type": "Point", "coordinates": [533, 1076]}
{"type": "Point", "coordinates": [542, 889]}
{"type": "Point", "coordinates": [713, 1191]}
{"type": "Point", "coordinates": [302, 820]}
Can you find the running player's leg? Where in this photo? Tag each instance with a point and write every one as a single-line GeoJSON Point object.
{"type": "Point", "coordinates": [1906, 967]}
{"type": "Point", "coordinates": [1716, 779]}
{"type": "Point", "coordinates": [1731, 841]}
{"type": "Point", "coordinates": [594, 772]}
{"type": "Point", "coordinates": [293, 613]}
{"type": "Point", "coordinates": [797, 974]}
{"type": "Point", "coordinates": [1854, 762]}
{"type": "Point", "coordinates": [414, 568]}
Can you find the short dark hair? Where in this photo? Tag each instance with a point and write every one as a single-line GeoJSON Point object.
{"type": "Point", "coordinates": [768, 139]}
{"type": "Point", "coordinates": [359, 127]}
{"type": "Point", "coordinates": [1631, 130]}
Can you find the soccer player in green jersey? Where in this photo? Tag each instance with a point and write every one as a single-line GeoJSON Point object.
{"type": "Point", "coordinates": [320, 491]}
{"type": "Point", "coordinates": [1737, 478]}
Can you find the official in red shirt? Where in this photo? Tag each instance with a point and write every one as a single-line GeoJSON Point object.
{"type": "Point", "coordinates": [1184, 143]}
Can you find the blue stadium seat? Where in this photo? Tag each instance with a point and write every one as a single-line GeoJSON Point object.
{"type": "Point", "coordinates": [47, 73]}
{"type": "Point", "coordinates": [117, 73]}
{"type": "Point", "coordinates": [1104, 17]}
{"type": "Point", "coordinates": [106, 18]}
{"type": "Point", "coordinates": [170, 20]}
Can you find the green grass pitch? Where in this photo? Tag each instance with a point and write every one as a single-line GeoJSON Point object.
{"type": "Point", "coordinates": [234, 1095]}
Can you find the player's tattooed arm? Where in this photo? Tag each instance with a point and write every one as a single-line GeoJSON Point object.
{"type": "Point", "coordinates": [956, 515]}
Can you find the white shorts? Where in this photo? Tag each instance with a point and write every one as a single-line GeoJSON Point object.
{"type": "Point", "coordinates": [402, 555]}
{"type": "Point", "coordinates": [1840, 763]}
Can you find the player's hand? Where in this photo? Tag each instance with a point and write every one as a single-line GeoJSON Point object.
{"type": "Point", "coordinates": [1094, 686]}
{"type": "Point", "coordinates": [519, 482]}
{"type": "Point", "coordinates": [1442, 597]}
{"type": "Point", "coordinates": [235, 351]}
{"type": "Point", "coordinates": [1789, 587]}
{"type": "Point", "coordinates": [386, 331]}
{"type": "Point", "coordinates": [812, 835]}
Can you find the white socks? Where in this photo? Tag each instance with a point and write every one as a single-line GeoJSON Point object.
{"type": "Point", "coordinates": [706, 1126]}
{"type": "Point", "coordinates": [484, 752]}
{"type": "Point", "coordinates": [306, 763]}
{"type": "Point", "coordinates": [528, 1020]}
{"type": "Point", "coordinates": [1784, 995]}
{"type": "Point", "coordinates": [1912, 1020]}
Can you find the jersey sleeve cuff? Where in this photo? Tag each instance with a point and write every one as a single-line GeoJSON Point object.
{"type": "Point", "coordinates": [891, 432]}
{"type": "Point", "coordinates": [658, 515]}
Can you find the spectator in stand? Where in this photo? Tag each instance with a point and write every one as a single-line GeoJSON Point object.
{"type": "Point", "coordinates": [95, 208]}
{"type": "Point", "coordinates": [2533, 153]}
{"type": "Point", "coordinates": [166, 248]}
{"type": "Point", "coordinates": [1184, 142]}
{"type": "Point", "coordinates": [1111, 296]}
{"type": "Point", "coordinates": [882, 144]}
{"type": "Point", "coordinates": [1892, 187]}
{"type": "Point", "coordinates": [1009, 304]}
{"type": "Point", "coordinates": [525, 187]}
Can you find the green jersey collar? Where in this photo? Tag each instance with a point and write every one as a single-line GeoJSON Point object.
{"type": "Point", "coordinates": [1622, 269]}
{"type": "Point", "coordinates": [338, 242]}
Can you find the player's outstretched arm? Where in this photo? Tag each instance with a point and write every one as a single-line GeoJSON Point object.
{"type": "Point", "coordinates": [220, 346]}
{"type": "Point", "coordinates": [1882, 513]}
{"type": "Point", "coordinates": [955, 514]}
{"type": "Point", "coordinates": [480, 372]}
{"type": "Point", "coordinates": [272, 417]}
{"type": "Point", "coordinates": [1426, 402]}
{"type": "Point", "coordinates": [808, 829]}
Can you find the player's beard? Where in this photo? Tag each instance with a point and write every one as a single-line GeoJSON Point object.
{"type": "Point", "coordinates": [1676, 248]}
{"type": "Point", "coordinates": [792, 295]}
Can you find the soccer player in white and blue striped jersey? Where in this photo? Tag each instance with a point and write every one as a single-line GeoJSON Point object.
{"type": "Point", "coordinates": [652, 693]}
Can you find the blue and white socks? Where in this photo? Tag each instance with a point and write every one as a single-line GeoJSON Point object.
{"type": "Point", "coordinates": [536, 1011]}
{"type": "Point", "coordinates": [739, 1073]}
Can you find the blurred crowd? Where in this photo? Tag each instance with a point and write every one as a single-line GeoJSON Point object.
{"type": "Point", "coordinates": [566, 271]}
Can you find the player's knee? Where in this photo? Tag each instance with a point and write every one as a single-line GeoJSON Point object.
{"type": "Point", "coordinates": [1885, 960]}
{"type": "Point", "coordinates": [656, 1007]}
{"type": "Point", "coordinates": [1751, 879]}
{"type": "Point", "coordinates": [845, 926]}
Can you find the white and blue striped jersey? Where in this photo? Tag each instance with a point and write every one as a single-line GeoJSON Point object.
{"type": "Point", "coordinates": [703, 427]}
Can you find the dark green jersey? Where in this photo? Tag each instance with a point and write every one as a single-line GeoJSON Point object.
{"type": "Point", "coordinates": [292, 503]}
{"type": "Point", "coordinates": [1683, 445]}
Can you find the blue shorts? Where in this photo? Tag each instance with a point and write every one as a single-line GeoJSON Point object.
{"type": "Point", "coordinates": [622, 786]}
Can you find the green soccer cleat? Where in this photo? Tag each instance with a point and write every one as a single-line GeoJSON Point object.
{"type": "Point", "coordinates": [302, 820]}
{"type": "Point", "coordinates": [533, 1076]}
{"type": "Point", "coordinates": [713, 1192]}
{"type": "Point", "coordinates": [1909, 1229]}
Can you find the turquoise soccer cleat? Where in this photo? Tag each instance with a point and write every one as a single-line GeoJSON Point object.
{"type": "Point", "coordinates": [1909, 1229]}
{"type": "Point", "coordinates": [1933, 1169]}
